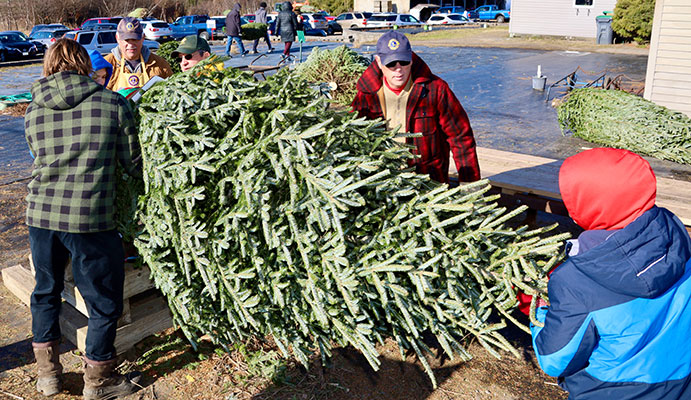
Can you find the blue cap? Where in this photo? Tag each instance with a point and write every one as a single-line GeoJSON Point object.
{"type": "Point", "coordinates": [394, 46]}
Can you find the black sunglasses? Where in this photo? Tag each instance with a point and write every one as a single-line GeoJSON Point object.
{"type": "Point", "coordinates": [392, 64]}
{"type": "Point", "coordinates": [186, 57]}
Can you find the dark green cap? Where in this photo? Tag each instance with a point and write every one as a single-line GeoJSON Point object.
{"type": "Point", "coordinates": [190, 44]}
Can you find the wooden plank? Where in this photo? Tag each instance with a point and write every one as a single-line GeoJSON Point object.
{"type": "Point", "coordinates": [19, 282]}
{"type": "Point", "coordinates": [150, 315]}
{"type": "Point", "coordinates": [72, 297]}
{"type": "Point", "coordinates": [136, 280]}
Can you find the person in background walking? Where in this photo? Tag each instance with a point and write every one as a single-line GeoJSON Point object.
{"type": "Point", "coordinates": [260, 18]}
{"type": "Point", "coordinates": [79, 132]}
{"type": "Point", "coordinates": [400, 88]}
{"type": "Point", "coordinates": [234, 30]}
{"type": "Point", "coordinates": [287, 26]}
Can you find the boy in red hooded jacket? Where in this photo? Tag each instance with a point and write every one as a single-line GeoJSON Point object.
{"type": "Point", "coordinates": [619, 318]}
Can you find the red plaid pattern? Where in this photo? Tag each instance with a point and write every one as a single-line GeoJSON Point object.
{"type": "Point", "coordinates": [434, 111]}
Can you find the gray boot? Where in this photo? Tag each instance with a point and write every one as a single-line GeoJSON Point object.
{"type": "Point", "coordinates": [49, 368]}
{"type": "Point", "coordinates": [102, 382]}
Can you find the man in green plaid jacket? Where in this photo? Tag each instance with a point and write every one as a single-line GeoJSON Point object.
{"type": "Point", "coordinates": [78, 132]}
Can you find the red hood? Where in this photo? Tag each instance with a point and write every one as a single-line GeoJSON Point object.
{"type": "Point", "coordinates": [606, 188]}
{"type": "Point", "coordinates": [371, 80]}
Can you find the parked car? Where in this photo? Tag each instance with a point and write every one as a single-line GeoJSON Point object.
{"type": "Point", "coordinates": [326, 15]}
{"type": "Point", "coordinates": [314, 21]}
{"type": "Point", "coordinates": [334, 27]}
{"type": "Point", "coordinates": [46, 27]}
{"type": "Point", "coordinates": [488, 12]}
{"type": "Point", "coordinates": [47, 38]}
{"type": "Point", "coordinates": [352, 20]}
{"type": "Point", "coordinates": [157, 30]}
{"type": "Point", "coordinates": [104, 40]}
{"type": "Point", "coordinates": [447, 19]}
{"type": "Point", "coordinates": [197, 25]}
{"type": "Point", "coordinates": [451, 10]}
{"type": "Point", "coordinates": [15, 46]}
{"type": "Point", "coordinates": [390, 19]}
{"type": "Point", "coordinates": [100, 20]}
{"type": "Point", "coordinates": [40, 47]}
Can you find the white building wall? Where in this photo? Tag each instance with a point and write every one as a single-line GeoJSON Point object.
{"type": "Point", "coordinates": [557, 17]}
{"type": "Point", "coordinates": [399, 6]}
{"type": "Point", "coordinates": [668, 78]}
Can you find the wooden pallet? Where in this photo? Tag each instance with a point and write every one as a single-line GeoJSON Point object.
{"type": "Point", "coordinates": [146, 311]}
{"type": "Point", "coordinates": [535, 181]}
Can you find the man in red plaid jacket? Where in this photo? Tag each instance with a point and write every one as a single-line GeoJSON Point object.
{"type": "Point", "coordinates": [400, 88]}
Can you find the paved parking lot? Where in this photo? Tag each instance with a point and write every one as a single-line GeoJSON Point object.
{"type": "Point", "coordinates": [494, 85]}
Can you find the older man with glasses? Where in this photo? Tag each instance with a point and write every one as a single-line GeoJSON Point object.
{"type": "Point", "coordinates": [400, 88]}
{"type": "Point", "coordinates": [191, 51]}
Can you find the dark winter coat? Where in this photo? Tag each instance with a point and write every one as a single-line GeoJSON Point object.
{"type": "Point", "coordinates": [434, 111]}
{"type": "Point", "coordinates": [287, 23]}
{"type": "Point", "coordinates": [233, 22]}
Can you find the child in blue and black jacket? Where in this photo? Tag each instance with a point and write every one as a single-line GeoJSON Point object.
{"type": "Point", "coordinates": [619, 321]}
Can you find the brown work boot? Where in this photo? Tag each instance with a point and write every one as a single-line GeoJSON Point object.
{"type": "Point", "coordinates": [49, 368]}
{"type": "Point", "coordinates": [102, 382]}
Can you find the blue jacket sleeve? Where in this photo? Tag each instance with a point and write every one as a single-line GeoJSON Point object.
{"type": "Point", "coordinates": [569, 336]}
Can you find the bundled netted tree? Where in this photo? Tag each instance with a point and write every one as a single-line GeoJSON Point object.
{"type": "Point", "coordinates": [267, 213]}
{"type": "Point", "coordinates": [633, 19]}
{"type": "Point", "coordinates": [618, 119]}
{"type": "Point", "coordinates": [340, 67]}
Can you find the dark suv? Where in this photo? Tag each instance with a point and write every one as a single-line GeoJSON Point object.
{"type": "Point", "coordinates": [89, 23]}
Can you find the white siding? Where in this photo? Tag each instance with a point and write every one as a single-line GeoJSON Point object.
{"type": "Point", "coordinates": [399, 6]}
{"type": "Point", "coordinates": [668, 79]}
{"type": "Point", "coordinates": [557, 17]}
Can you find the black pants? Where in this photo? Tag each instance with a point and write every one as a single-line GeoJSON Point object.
{"type": "Point", "coordinates": [98, 269]}
{"type": "Point", "coordinates": [267, 39]}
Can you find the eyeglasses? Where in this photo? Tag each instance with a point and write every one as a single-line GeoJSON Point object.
{"type": "Point", "coordinates": [186, 57]}
{"type": "Point", "coordinates": [393, 64]}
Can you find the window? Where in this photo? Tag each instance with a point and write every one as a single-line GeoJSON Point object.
{"type": "Point", "coordinates": [106, 37]}
{"type": "Point", "coordinates": [583, 3]}
{"type": "Point", "coordinates": [85, 38]}
{"type": "Point", "coordinates": [436, 18]}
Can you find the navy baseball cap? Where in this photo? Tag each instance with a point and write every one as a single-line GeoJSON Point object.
{"type": "Point", "coordinates": [394, 46]}
{"type": "Point", "coordinates": [130, 28]}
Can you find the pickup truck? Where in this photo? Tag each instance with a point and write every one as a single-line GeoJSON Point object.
{"type": "Point", "coordinates": [192, 25]}
{"type": "Point", "coordinates": [488, 12]}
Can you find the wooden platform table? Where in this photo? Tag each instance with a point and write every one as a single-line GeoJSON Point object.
{"type": "Point", "coordinates": [534, 181]}
{"type": "Point", "coordinates": [145, 311]}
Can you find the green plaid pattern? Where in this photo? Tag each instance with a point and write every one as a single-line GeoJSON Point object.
{"type": "Point", "coordinates": [78, 132]}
